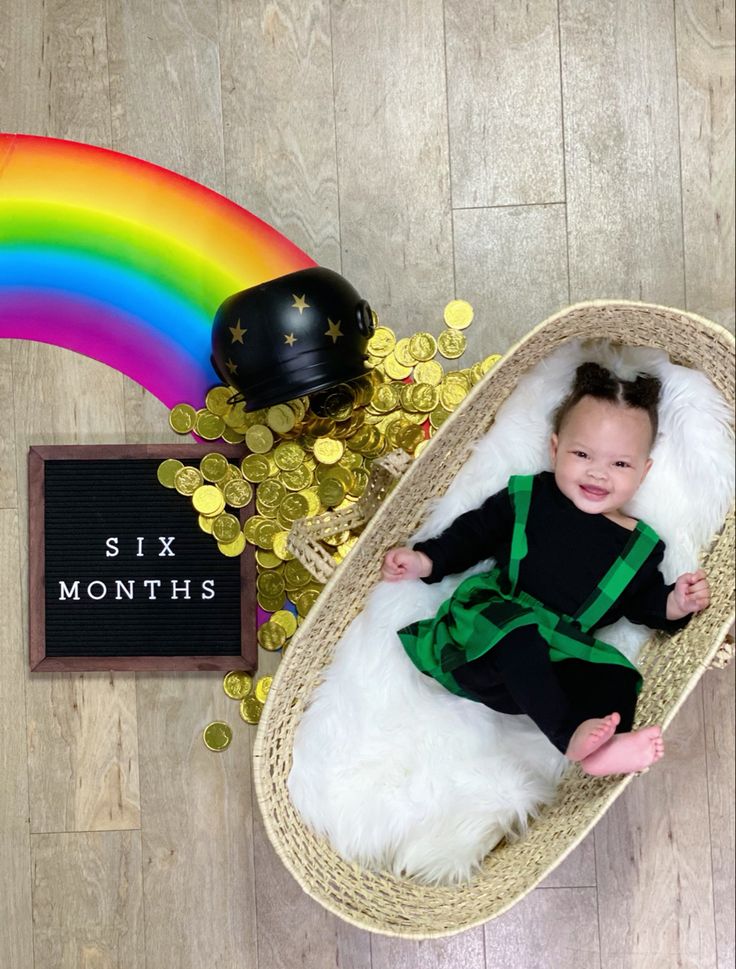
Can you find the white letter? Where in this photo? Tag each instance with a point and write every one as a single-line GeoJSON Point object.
{"type": "Point", "coordinates": [104, 590]}
{"type": "Point", "coordinates": [120, 586]}
{"type": "Point", "coordinates": [139, 553]}
{"type": "Point", "coordinates": [66, 593]}
{"type": "Point", "coordinates": [175, 589]}
{"type": "Point", "coordinates": [112, 545]}
{"type": "Point", "coordinates": [152, 583]}
{"type": "Point", "coordinates": [166, 542]}
{"type": "Point", "coordinates": [208, 585]}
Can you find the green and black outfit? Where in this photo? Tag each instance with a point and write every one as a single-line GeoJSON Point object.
{"type": "Point", "coordinates": [519, 638]}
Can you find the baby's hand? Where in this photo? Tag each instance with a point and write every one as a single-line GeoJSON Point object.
{"type": "Point", "coordinates": [691, 592]}
{"type": "Point", "coordinates": [405, 563]}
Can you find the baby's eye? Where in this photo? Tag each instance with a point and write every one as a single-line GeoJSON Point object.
{"type": "Point", "coordinates": [622, 464]}
{"type": "Point", "coordinates": [580, 454]}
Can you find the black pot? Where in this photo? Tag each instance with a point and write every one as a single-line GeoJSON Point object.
{"type": "Point", "coordinates": [291, 336]}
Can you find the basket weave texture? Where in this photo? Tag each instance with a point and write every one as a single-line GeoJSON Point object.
{"type": "Point", "coordinates": [381, 902]}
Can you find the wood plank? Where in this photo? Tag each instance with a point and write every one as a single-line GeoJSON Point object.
{"type": "Point", "coordinates": [653, 860]}
{"type": "Point", "coordinates": [577, 870]}
{"type": "Point", "coordinates": [23, 86]}
{"type": "Point", "coordinates": [308, 936]}
{"type": "Point", "coordinates": [465, 949]}
{"type": "Point", "coordinates": [549, 928]}
{"type": "Point", "coordinates": [511, 265]}
{"type": "Point", "coordinates": [87, 901]}
{"type": "Point", "coordinates": [16, 922]}
{"type": "Point", "coordinates": [504, 103]}
{"type": "Point", "coordinates": [705, 77]}
{"type": "Point", "coordinates": [8, 475]}
{"type": "Point", "coordinates": [392, 157]}
{"type": "Point", "coordinates": [280, 145]}
{"type": "Point", "coordinates": [718, 707]}
{"type": "Point", "coordinates": [619, 86]}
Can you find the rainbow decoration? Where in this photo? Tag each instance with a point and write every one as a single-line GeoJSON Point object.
{"type": "Point", "coordinates": [124, 261]}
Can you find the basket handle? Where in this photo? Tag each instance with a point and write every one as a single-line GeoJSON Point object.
{"type": "Point", "coordinates": [304, 538]}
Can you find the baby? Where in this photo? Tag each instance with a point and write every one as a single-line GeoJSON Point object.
{"type": "Point", "coordinates": [520, 638]}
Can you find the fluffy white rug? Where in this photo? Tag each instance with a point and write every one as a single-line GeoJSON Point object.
{"type": "Point", "coordinates": [398, 773]}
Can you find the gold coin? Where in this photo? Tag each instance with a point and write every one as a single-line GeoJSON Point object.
{"type": "Point", "coordinates": [305, 600]}
{"type": "Point", "coordinates": [271, 493]}
{"type": "Point", "coordinates": [270, 604]}
{"type": "Point", "coordinates": [231, 436]}
{"type": "Point", "coordinates": [237, 684]}
{"type": "Point", "coordinates": [217, 399]}
{"type": "Point", "coordinates": [255, 468]}
{"type": "Point", "coordinates": [213, 467]}
{"type": "Point", "coordinates": [396, 370]}
{"type": "Point", "coordinates": [182, 418]}
{"type": "Point", "coordinates": [451, 394]}
{"type": "Point", "coordinates": [264, 532]}
{"type": "Point", "coordinates": [292, 507]}
{"type": "Point", "coordinates": [266, 559]}
{"type": "Point", "coordinates": [422, 346]}
{"type": "Point", "coordinates": [402, 353]}
{"type": "Point", "coordinates": [327, 450]}
{"type": "Point", "coordinates": [250, 709]}
{"type": "Point", "coordinates": [232, 549]}
{"type": "Point", "coordinates": [289, 456]}
{"type": "Point", "coordinates": [238, 493]}
{"type": "Point", "coordinates": [250, 528]}
{"type": "Point", "coordinates": [458, 314]}
{"type": "Point", "coordinates": [386, 398]}
{"type": "Point", "coordinates": [205, 523]}
{"type": "Point", "coordinates": [208, 500]}
{"type": "Point", "coordinates": [226, 528]}
{"type": "Point", "coordinates": [425, 397]}
{"type": "Point", "coordinates": [297, 479]}
{"type": "Point", "coordinates": [280, 549]}
{"type": "Point", "coordinates": [410, 437]}
{"type": "Point", "coordinates": [264, 510]}
{"type": "Point", "coordinates": [429, 372]}
{"type": "Point", "coordinates": [167, 471]}
{"type": "Point", "coordinates": [209, 426]}
{"type": "Point", "coordinates": [270, 584]}
{"type": "Point", "coordinates": [286, 619]}
{"type": "Point", "coordinates": [296, 576]}
{"type": "Point", "coordinates": [490, 362]}
{"type": "Point", "coordinates": [263, 687]}
{"type": "Point", "coordinates": [438, 416]}
{"type": "Point", "coordinates": [331, 492]}
{"type": "Point", "coordinates": [280, 418]}
{"type": "Point", "coordinates": [451, 344]}
{"type": "Point", "coordinates": [217, 735]}
{"type": "Point", "coordinates": [187, 480]}
{"type": "Point", "coordinates": [382, 342]}
{"type": "Point", "coordinates": [271, 636]}
{"type": "Point", "coordinates": [259, 438]}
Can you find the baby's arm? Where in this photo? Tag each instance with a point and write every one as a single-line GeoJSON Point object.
{"type": "Point", "coordinates": [405, 563]}
{"type": "Point", "coordinates": [690, 594]}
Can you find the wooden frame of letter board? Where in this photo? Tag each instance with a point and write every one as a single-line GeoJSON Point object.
{"type": "Point", "coordinates": [37, 457]}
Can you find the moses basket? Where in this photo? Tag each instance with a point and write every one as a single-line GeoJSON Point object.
{"type": "Point", "coordinates": [381, 902]}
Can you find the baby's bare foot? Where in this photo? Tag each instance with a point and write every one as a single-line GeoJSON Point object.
{"type": "Point", "coordinates": [590, 735]}
{"type": "Point", "coordinates": [626, 753]}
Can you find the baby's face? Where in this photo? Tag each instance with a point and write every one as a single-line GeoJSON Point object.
{"type": "Point", "coordinates": [602, 454]}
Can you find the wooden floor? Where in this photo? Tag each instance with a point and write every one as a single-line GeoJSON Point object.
{"type": "Point", "coordinates": [521, 155]}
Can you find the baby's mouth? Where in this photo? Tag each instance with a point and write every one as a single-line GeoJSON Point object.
{"type": "Point", "coordinates": [594, 492]}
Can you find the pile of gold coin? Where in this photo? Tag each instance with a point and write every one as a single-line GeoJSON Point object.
{"type": "Point", "coordinates": [239, 685]}
{"type": "Point", "coordinates": [315, 454]}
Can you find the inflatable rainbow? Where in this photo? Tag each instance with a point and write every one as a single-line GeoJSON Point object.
{"type": "Point", "coordinates": [124, 261]}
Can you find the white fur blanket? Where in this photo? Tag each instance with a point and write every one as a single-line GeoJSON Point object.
{"type": "Point", "coordinates": [398, 773]}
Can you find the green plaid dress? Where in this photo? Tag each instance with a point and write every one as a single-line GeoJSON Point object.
{"type": "Point", "coordinates": [487, 606]}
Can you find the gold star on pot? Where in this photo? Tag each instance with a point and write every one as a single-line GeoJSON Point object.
{"type": "Point", "coordinates": [334, 330]}
{"type": "Point", "coordinates": [300, 303]}
{"type": "Point", "coordinates": [290, 339]}
{"type": "Point", "coordinates": [237, 332]}
{"type": "Point", "coordinates": [232, 367]}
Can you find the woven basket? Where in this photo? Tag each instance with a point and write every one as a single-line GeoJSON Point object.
{"type": "Point", "coordinates": [381, 902]}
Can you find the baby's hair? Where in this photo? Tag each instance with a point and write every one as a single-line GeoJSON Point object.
{"type": "Point", "coordinates": [592, 380]}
